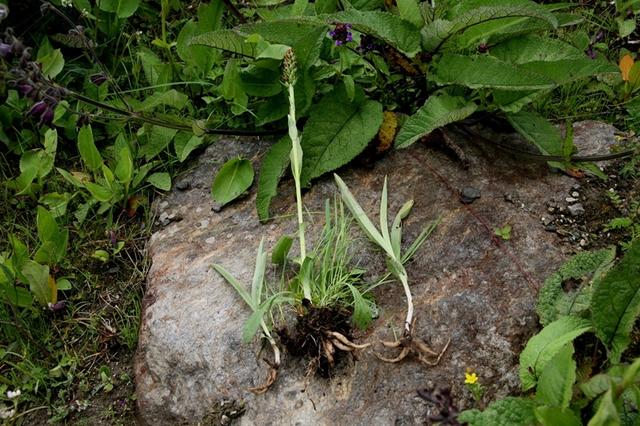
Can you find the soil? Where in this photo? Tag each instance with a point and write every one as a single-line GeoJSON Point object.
{"type": "Point", "coordinates": [308, 338]}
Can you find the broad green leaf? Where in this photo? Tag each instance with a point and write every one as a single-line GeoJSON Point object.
{"type": "Point", "coordinates": [261, 81]}
{"type": "Point", "coordinates": [555, 385]}
{"type": "Point", "coordinates": [486, 71]}
{"type": "Point", "coordinates": [565, 71]}
{"type": "Point", "coordinates": [184, 146]}
{"type": "Point", "coordinates": [337, 131]}
{"type": "Point", "coordinates": [200, 56]}
{"type": "Point", "coordinates": [545, 345]}
{"type": "Point", "coordinates": [47, 227]}
{"type": "Point", "coordinates": [537, 130]}
{"type": "Point", "coordinates": [615, 303]}
{"type": "Point", "coordinates": [510, 411]}
{"type": "Point", "coordinates": [227, 40]}
{"type": "Point", "coordinates": [64, 284]}
{"type": "Point", "coordinates": [393, 30]}
{"type": "Point", "coordinates": [281, 250]}
{"type": "Point", "coordinates": [52, 63]}
{"type": "Point", "coordinates": [231, 87]}
{"type": "Point", "coordinates": [553, 302]}
{"type": "Point", "coordinates": [273, 166]}
{"type": "Point", "coordinates": [29, 166]}
{"type": "Point", "coordinates": [533, 48]}
{"type": "Point", "coordinates": [596, 385]}
{"type": "Point", "coordinates": [156, 72]}
{"type": "Point", "coordinates": [556, 416]}
{"type": "Point", "coordinates": [171, 98]}
{"type": "Point", "coordinates": [155, 139]}
{"type": "Point", "coordinates": [233, 179]}
{"type": "Point", "coordinates": [325, 6]}
{"type": "Point", "coordinates": [99, 192]}
{"type": "Point", "coordinates": [122, 8]}
{"type": "Point", "coordinates": [124, 165]}
{"type": "Point", "coordinates": [16, 295]}
{"type": "Point", "coordinates": [160, 180]}
{"type": "Point", "coordinates": [304, 37]}
{"type": "Point", "coordinates": [88, 150]}
{"type": "Point", "coordinates": [38, 277]}
{"type": "Point", "coordinates": [439, 31]}
{"type": "Point", "coordinates": [607, 413]}
{"type": "Point", "coordinates": [410, 11]}
{"type": "Point", "coordinates": [438, 111]}
{"type": "Point", "coordinates": [625, 26]}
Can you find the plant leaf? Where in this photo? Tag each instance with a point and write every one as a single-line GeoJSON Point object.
{"type": "Point", "coordinates": [233, 179]}
{"type": "Point", "coordinates": [88, 150]}
{"type": "Point", "coordinates": [542, 347]}
{"type": "Point", "coordinates": [615, 303]}
{"type": "Point", "coordinates": [281, 250]}
{"type": "Point", "coordinates": [556, 416]}
{"type": "Point", "coordinates": [510, 411]}
{"type": "Point", "coordinates": [362, 315]}
{"type": "Point", "coordinates": [337, 131]}
{"type": "Point", "coordinates": [477, 72]}
{"type": "Point", "coordinates": [235, 284]}
{"type": "Point", "coordinates": [537, 130]}
{"type": "Point", "coordinates": [258, 274]}
{"type": "Point", "coordinates": [439, 31]}
{"type": "Point", "coordinates": [227, 40]}
{"type": "Point", "coordinates": [438, 111]}
{"type": "Point", "coordinates": [555, 386]}
{"type": "Point", "coordinates": [38, 277]}
{"type": "Point", "coordinates": [273, 166]}
{"type": "Point", "coordinates": [396, 227]}
{"type": "Point", "coordinates": [185, 145]}
{"type": "Point", "coordinates": [160, 180]}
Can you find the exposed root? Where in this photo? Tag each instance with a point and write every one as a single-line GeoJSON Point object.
{"type": "Point", "coordinates": [411, 345]}
{"type": "Point", "coordinates": [271, 379]}
{"type": "Point", "coordinates": [342, 339]}
{"type": "Point", "coordinates": [274, 366]}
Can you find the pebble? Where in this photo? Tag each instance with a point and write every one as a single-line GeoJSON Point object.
{"type": "Point", "coordinates": [469, 194]}
{"type": "Point", "coordinates": [571, 200]}
{"type": "Point", "coordinates": [546, 221]}
{"type": "Point", "coordinates": [183, 185]}
{"type": "Point", "coordinates": [575, 194]}
{"type": "Point", "coordinates": [583, 243]}
{"type": "Point", "coordinates": [551, 228]}
{"type": "Point", "coordinates": [576, 209]}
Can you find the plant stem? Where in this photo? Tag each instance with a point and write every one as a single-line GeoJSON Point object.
{"type": "Point", "coordinates": [407, 293]}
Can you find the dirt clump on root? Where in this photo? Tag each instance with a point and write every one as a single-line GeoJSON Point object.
{"type": "Point", "coordinates": [311, 337]}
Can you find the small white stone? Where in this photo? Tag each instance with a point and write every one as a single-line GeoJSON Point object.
{"type": "Point", "coordinates": [210, 240]}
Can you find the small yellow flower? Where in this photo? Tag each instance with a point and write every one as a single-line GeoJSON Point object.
{"type": "Point", "coordinates": [470, 378]}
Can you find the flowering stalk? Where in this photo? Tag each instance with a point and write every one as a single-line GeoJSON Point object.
{"type": "Point", "coordinates": [289, 78]}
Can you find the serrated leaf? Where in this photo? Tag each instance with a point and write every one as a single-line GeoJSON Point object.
{"type": "Point", "coordinates": [273, 166]}
{"type": "Point", "coordinates": [437, 111]}
{"type": "Point", "coordinates": [391, 29]}
{"type": "Point", "coordinates": [261, 81]}
{"type": "Point", "coordinates": [337, 131]}
{"type": "Point", "coordinates": [233, 179]}
{"type": "Point", "coordinates": [410, 11]}
{"type": "Point", "coordinates": [227, 40]}
{"type": "Point", "coordinates": [439, 31]}
{"type": "Point", "coordinates": [160, 180]}
{"type": "Point", "coordinates": [542, 347]}
{"type": "Point", "coordinates": [615, 303]}
{"type": "Point", "coordinates": [555, 386]}
{"type": "Point", "coordinates": [556, 416]}
{"type": "Point", "coordinates": [88, 150]}
{"type": "Point", "coordinates": [532, 48]}
{"type": "Point", "coordinates": [122, 8]}
{"type": "Point", "coordinates": [537, 130]}
{"type": "Point", "coordinates": [510, 411]}
{"type": "Point", "coordinates": [478, 72]}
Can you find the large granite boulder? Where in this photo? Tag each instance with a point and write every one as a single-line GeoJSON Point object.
{"type": "Point", "coordinates": [468, 287]}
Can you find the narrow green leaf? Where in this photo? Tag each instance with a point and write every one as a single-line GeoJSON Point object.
{"type": "Point", "coordinates": [384, 220]}
{"type": "Point", "coordinates": [233, 179]}
{"type": "Point", "coordinates": [396, 227]}
{"type": "Point", "coordinates": [615, 303]}
{"type": "Point", "coordinates": [438, 111]}
{"type": "Point", "coordinates": [88, 150]}
{"type": "Point", "coordinates": [273, 166]}
{"type": "Point", "coordinates": [258, 274]}
{"type": "Point", "coordinates": [235, 284]}
{"type": "Point", "coordinates": [362, 315]}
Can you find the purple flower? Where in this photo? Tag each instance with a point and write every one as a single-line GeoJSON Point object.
{"type": "Point", "coordinates": [5, 50]}
{"type": "Point", "coordinates": [591, 52]}
{"type": "Point", "coordinates": [483, 48]}
{"type": "Point", "coordinates": [38, 108]}
{"type": "Point", "coordinates": [98, 79]}
{"type": "Point", "coordinates": [341, 34]}
{"type": "Point", "coordinates": [368, 44]}
{"type": "Point", "coordinates": [25, 89]}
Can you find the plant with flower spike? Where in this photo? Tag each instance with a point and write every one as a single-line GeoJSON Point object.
{"type": "Point", "coordinates": [389, 240]}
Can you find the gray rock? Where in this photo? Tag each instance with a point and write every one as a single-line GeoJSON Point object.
{"type": "Point", "coordinates": [576, 209]}
{"type": "Point", "coordinates": [593, 137]}
{"type": "Point", "coordinates": [466, 288]}
{"type": "Point", "coordinates": [469, 194]}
